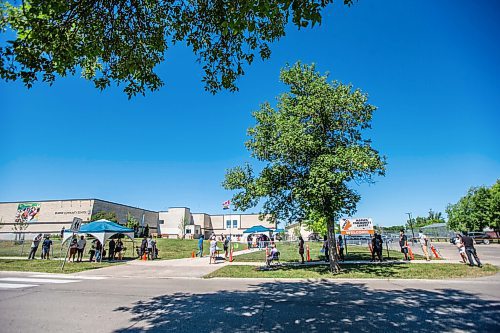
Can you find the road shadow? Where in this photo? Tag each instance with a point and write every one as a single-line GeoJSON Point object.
{"type": "Point", "coordinates": [315, 306]}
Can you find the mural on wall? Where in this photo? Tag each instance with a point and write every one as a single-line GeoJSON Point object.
{"type": "Point", "coordinates": [27, 212]}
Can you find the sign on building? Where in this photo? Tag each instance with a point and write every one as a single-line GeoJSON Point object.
{"type": "Point", "coordinates": [353, 226]}
{"type": "Point", "coordinates": [76, 224]}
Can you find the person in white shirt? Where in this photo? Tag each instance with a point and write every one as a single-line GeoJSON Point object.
{"type": "Point", "coordinates": [213, 250]}
{"type": "Point", "coordinates": [424, 241]}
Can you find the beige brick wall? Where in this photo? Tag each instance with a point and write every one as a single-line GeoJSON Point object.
{"type": "Point", "coordinates": [52, 216]}
{"type": "Point", "coordinates": [121, 211]}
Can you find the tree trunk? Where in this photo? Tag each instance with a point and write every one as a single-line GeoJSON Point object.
{"type": "Point", "coordinates": [332, 244]}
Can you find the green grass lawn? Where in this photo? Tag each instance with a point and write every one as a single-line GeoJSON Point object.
{"type": "Point", "coordinates": [359, 271]}
{"type": "Point", "coordinates": [290, 253]}
{"type": "Point", "coordinates": [49, 266]}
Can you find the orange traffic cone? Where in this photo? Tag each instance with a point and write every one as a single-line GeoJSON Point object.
{"type": "Point", "coordinates": [308, 253]}
{"type": "Point", "coordinates": [410, 252]}
{"type": "Point", "coordinates": [144, 257]}
{"type": "Point", "coordinates": [192, 254]}
{"type": "Point", "coordinates": [433, 249]}
{"type": "Point", "coordinates": [231, 255]}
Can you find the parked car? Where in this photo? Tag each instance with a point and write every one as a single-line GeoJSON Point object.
{"type": "Point", "coordinates": [480, 237]}
{"type": "Point", "coordinates": [314, 237]}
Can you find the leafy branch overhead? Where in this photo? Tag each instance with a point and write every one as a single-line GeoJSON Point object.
{"type": "Point", "coordinates": [123, 41]}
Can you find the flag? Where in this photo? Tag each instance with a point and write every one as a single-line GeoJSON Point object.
{"type": "Point", "coordinates": [226, 204]}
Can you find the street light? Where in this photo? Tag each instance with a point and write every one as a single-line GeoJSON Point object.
{"type": "Point", "coordinates": [411, 226]}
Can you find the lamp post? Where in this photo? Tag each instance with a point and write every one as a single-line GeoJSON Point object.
{"type": "Point", "coordinates": [411, 225]}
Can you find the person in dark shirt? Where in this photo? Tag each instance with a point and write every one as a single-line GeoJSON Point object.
{"type": "Point", "coordinates": [403, 243]}
{"type": "Point", "coordinates": [47, 243]}
{"type": "Point", "coordinates": [470, 250]}
{"type": "Point", "coordinates": [301, 248]}
{"type": "Point", "coordinates": [112, 246]}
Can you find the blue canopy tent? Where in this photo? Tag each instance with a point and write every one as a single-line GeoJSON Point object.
{"type": "Point", "coordinates": [101, 230]}
{"type": "Point", "coordinates": [257, 229]}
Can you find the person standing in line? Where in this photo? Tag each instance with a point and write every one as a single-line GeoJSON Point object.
{"type": "Point", "coordinates": [150, 248]}
{"type": "Point", "coordinates": [119, 249]}
{"type": "Point", "coordinates": [403, 243]}
{"type": "Point", "coordinates": [47, 243]}
{"type": "Point", "coordinates": [155, 249]}
{"type": "Point", "coordinates": [80, 248]}
{"type": "Point", "coordinates": [377, 247]}
{"type": "Point", "coordinates": [226, 247]}
{"type": "Point", "coordinates": [34, 246]}
{"type": "Point", "coordinates": [73, 247]}
{"type": "Point", "coordinates": [144, 246]}
{"type": "Point", "coordinates": [62, 232]}
{"type": "Point", "coordinates": [461, 248]}
{"type": "Point", "coordinates": [301, 248]}
{"type": "Point", "coordinates": [326, 249]}
{"type": "Point", "coordinates": [112, 247]}
{"type": "Point", "coordinates": [424, 242]}
{"type": "Point", "coordinates": [98, 251]}
{"type": "Point", "coordinates": [341, 248]}
{"type": "Point", "coordinates": [213, 250]}
{"type": "Point", "coordinates": [470, 250]}
{"type": "Point", "coordinates": [200, 246]}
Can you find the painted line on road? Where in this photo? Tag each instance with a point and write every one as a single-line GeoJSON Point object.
{"type": "Point", "coordinates": [36, 280]}
{"type": "Point", "coordinates": [62, 276]}
{"type": "Point", "coordinates": [16, 286]}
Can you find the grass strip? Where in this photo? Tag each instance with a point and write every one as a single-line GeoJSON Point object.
{"type": "Point", "coordinates": [50, 266]}
{"type": "Point", "coordinates": [359, 271]}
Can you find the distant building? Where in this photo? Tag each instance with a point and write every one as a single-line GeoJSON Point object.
{"type": "Point", "coordinates": [294, 230]}
{"type": "Point", "coordinates": [50, 216]}
{"type": "Point", "coordinates": [195, 224]}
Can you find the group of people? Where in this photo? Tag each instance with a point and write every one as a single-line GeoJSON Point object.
{"type": "Point", "coordinates": [46, 245]}
{"type": "Point", "coordinates": [422, 239]}
{"type": "Point", "coordinates": [149, 248]}
{"type": "Point", "coordinates": [466, 249]}
{"type": "Point", "coordinates": [226, 240]}
{"type": "Point", "coordinates": [326, 248]}
{"type": "Point", "coordinates": [77, 249]}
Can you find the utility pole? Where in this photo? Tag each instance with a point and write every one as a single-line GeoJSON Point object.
{"type": "Point", "coordinates": [411, 225]}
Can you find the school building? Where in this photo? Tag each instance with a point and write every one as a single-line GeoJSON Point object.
{"type": "Point", "coordinates": [23, 219]}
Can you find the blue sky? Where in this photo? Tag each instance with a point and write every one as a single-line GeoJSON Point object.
{"type": "Point", "coordinates": [431, 67]}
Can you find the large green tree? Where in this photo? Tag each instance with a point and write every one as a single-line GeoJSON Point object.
{"type": "Point", "coordinates": [478, 209]}
{"type": "Point", "coordinates": [123, 41]}
{"type": "Point", "coordinates": [312, 148]}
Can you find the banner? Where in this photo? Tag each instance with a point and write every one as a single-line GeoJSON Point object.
{"type": "Point", "coordinates": [353, 226]}
{"type": "Point", "coordinates": [27, 212]}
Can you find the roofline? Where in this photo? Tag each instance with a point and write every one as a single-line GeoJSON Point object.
{"type": "Point", "coordinates": [86, 199]}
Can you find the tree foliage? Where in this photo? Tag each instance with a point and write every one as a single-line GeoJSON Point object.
{"type": "Point", "coordinates": [422, 221]}
{"type": "Point", "coordinates": [133, 223]}
{"type": "Point", "coordinates": [478, 209]}
{"type": "Point", "coordinates": [313, 150]}
{"type": "Point", "coordinates": [103, 215]}
{"type": "Point", "coordinates": [123, 41]}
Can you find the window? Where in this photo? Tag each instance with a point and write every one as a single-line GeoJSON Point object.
{"type": "Point", "coordinates": [228, 224]}
{"type": "Point", "coordinates": [235, 223]}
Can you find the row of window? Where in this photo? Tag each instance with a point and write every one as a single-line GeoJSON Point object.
{"type": "Point", "coordinates": [228, 224]}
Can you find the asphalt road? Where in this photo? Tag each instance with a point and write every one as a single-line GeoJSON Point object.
{"type": "Point", "coordinates": [487, 253]}
{"type": "Point", "coordinates": [198, 305]}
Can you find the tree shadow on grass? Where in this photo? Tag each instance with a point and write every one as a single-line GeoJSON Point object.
{"type": "Point", "coordinates": [315, 306]}
{"type": "Point", "coordinates": [370, 270]}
